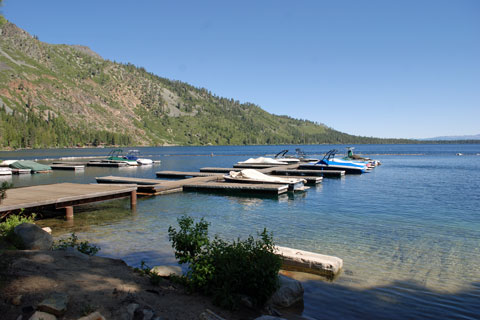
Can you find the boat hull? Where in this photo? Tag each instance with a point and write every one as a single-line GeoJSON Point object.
{"type": "Point", "coordinates": [347, 169]}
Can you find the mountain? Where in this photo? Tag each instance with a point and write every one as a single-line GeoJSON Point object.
{"type": "Point", "coordinates": [454, 138]}
{"type": "Point", "coordinates": [67, 95]}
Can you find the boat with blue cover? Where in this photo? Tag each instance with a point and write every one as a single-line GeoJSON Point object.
{"type": "Point", "coordinates": [329, 162]}
{"type": "Point", "coordinates": [133, 155]}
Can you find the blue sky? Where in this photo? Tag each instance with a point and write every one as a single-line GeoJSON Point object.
{"type": "Point", "coordinates": [381, 68]}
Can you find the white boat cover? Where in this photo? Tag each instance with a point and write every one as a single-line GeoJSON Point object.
{"type": "Point", "coordinates": [6, 163]}
{"type": "Point", "coordinates": [144, 161]}
{"type": "Point", "coordinates": [254, 175]}
{"type": "Point", "coordinates": [5, 171]}
{"type": "Point", "coordinates": [263, 160]}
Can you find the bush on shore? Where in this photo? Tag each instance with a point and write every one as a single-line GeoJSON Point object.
{"type": "Point", "coordinates": [226, 271]}
{"type": "Point", "coordinates": [7, 228]}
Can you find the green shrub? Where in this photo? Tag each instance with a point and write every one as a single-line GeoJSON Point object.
{"type": "Point", "coordinates": [72, 241]}
{"type": "Point", "coordinates": [3, 190]}
{"type": "Point", "coordinates": [7, 228]}
{"type": "Point", "coordinates": [226, 270]}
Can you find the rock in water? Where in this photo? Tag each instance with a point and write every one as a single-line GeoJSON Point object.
{"type": "Point", "coordinates": [166, 271]}
{"type": "Point", "coordinates": [33, 237]}
{"type": "Point", "coordinates": [289, 293]}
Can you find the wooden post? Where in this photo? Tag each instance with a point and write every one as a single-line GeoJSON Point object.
{"type": "Point", "coordinates": [133, 199]}
{"type": "Point", "coordinates": [69, 213]}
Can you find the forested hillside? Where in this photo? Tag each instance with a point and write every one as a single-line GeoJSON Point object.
{"type": "Point", "coordinates": [62, 95]}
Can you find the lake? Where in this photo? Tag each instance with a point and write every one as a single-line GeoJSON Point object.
{"type": "Point", "coordinates": [408, 232]}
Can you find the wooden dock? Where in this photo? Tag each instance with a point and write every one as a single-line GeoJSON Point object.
{"type": "Point", "coordinates": [219, 170]}
{"type": "Point", "coordinates": [183, 174]}
{"type": "Point", "coordinates": [206, 181]}
{"type": "Point", "coordinates": [67, 167]}
{"type": "Point", "coordinates": [256, 166]}
{"type": "Point", "coordinates": [247, 188]}
{"type": "Point", "coordinates": [321, 173]}
{"type": "Point", "coordinates": [156, 186]}
{"type": "Point", "coordinates": [128, 180]}
{"type": "Point", "coordinates": [63, 196]}
{"type": "Point", "coordinates": [310, 179]}
{"type": "Point", "coordinates": [106, 164]}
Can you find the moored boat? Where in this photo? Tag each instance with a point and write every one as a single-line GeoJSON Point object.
{"type": "Point", "coordinates": [329, 162]}
{"type": "Point", "coordinates": [116, 155]}
{"type": "Point", "coordinates": [282, 156]}
{"type": "Point", "coordinates": [4, 171]}
{"type": "Point", "coordinates": [356, 158]}
{"type": "Point", "coordinates": [133, 156]}
{"type": "Point", "coordinates": [35, 167]}
{"type": "Point", "coordinates": [263, 161]}
{"type": "Point", "coordinates": [254, 176]}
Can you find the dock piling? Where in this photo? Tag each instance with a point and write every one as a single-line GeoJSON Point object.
{"type": "Point", "coordinates": [133, 200]}
{"type": "Point", "coordinates": [69, 213]}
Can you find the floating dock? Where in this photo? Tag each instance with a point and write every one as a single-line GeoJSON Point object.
{"type": "Point", "coordinates": [315, 179]}
{"type": "Point", "coordinates": [309, 262]}
{"type": "Point", "coordinates": [158, 187]}
{"type": "Point", "coordinates": [257, 166]}
{"type": "Point", "coordinates": [106, 164]}
{"type": "Point", "coordinates": [219, 170]}
{"type": "Point", "coordinates": [128, 180]}
{"type": "Point", "coordinates": [183, 174]}
{"type": "Point", "coordinates": [67, 167]}
{"type": "Point", "coordinates": [282, 171]}
{"type": "Point", "coordinates": [310, 180]}
{"type": "Point", "coordinates": [211, 180]}
{"type": "Point", "coordinates": [248, 188]}
{"type": "Point", "coordinates": [321, 173]}
{"type": "Point", "coordinates": [21, 171]}
{"type": "Point", "coordinates": [63, 196]}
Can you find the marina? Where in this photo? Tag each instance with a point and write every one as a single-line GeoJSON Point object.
{"type": "Point", "coordinates": [407, 231]}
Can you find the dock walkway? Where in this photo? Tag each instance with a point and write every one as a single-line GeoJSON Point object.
{"type": "Point", "coordinates": [184, 174]}
{"type": "Point", "coordinates": [321, 173]}
{"type": "Point", "coordinates": [73, 167]}
{"type": "Point", "coordinates": [63, 195]}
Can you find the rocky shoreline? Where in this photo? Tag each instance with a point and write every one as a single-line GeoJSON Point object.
{"type": "Point", "coordinates": [67, 284]}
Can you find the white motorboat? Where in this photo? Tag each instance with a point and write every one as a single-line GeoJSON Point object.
{"type": "Point", "coordinates": [254, 176]}
{"type": "Point", "coordinates": [5, 171]}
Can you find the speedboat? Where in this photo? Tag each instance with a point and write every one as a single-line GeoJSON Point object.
{"type": "Point", "coordinates": [254, 176]}
{"type": "Point", "coordinates": [329, 162]}
{"type": "Point", "coordinates": [4, 171]}
{"type": "Point", "coordinates": [132, 155]}
{"type": "Point", "coordinates": [33, 166]}
{"type": "Point", "coordinates": [281, 156]}
{"type": "Point", "coordinates": [356, 158]}
{"type": "Point", "coordinates": [263, 160]}
{"type": "Point", "coordinates": [116, 155]}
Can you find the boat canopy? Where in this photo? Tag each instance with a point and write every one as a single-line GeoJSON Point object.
{"type": "Point", "coordinates": [27, 164]}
